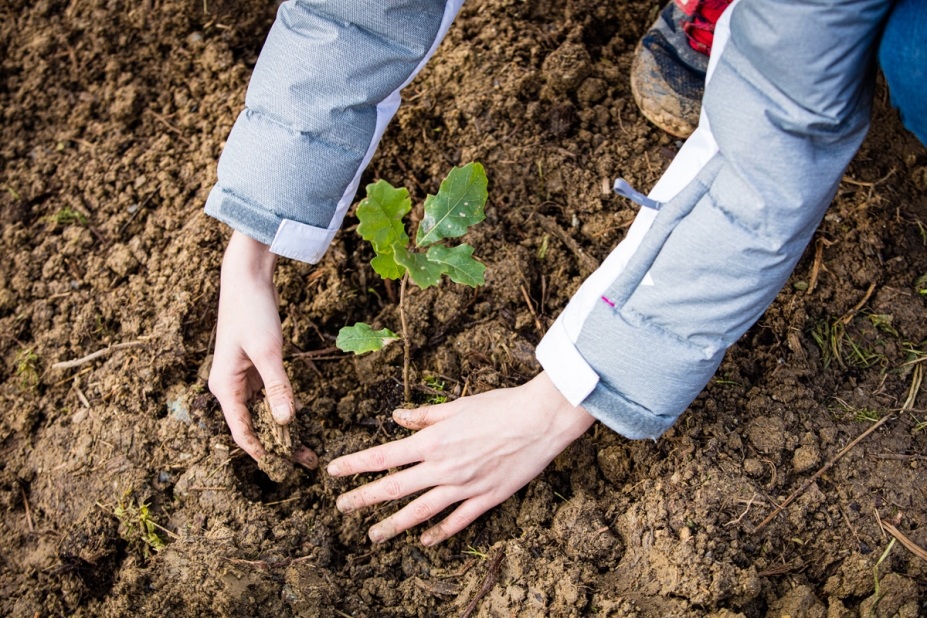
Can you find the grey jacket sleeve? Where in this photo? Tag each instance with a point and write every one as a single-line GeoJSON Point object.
{"type": "Point", "coordinates": [325, 87]}
{"type": "Point", "coordinates": [786, 107]}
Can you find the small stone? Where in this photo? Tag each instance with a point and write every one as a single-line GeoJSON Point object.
{"type": "Point", "coordinates": [178, 404]}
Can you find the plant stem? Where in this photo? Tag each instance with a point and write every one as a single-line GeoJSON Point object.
{"type": "Point", "coordinates": [405, 337]}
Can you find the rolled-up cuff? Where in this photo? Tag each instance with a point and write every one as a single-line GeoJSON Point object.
{"type": "Point", "coordinates": [254, 222]}
{"type": "Point", "coordinates": [302, 242]}
{"type": "Point", "coordinates": [565, 366]}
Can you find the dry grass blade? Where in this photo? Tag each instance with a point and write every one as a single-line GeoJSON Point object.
{"type": "Point", "coordinates": [916, 361]}
{"type": "Point", "coordinates": [849, 314]}
{"type": "Point", "coordinates": [534, 314]}
{"type": "Point", "coordinates": [816, 269]}
{"type": "Point", "coordinates": [28, 510]}
{"type": "Point", "coordinates": [911, 545]}
{"type": "Point", "coordinates": [917, 377]}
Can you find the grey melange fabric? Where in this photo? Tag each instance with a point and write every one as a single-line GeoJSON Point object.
{"type": "Point", "coordinates": [788, 103]}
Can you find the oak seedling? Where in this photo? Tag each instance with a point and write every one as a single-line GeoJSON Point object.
{"type": "Point", "coordinates": [458, 205]}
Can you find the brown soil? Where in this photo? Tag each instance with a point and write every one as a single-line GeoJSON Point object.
{"type": "Point", "coordinates": [113, 117]}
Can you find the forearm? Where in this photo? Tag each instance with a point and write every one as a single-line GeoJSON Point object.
{"type": "Point", "coordinates": [325, 87]}
{"type": "Point", "coordinates": [652, 331]}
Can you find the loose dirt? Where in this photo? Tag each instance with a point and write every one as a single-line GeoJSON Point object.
{"type": "Point", "coordinates": [114, 114]}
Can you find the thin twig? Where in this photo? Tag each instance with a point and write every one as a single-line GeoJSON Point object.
{"type": "Point", "coordinates": [878, 519]}
{"type": "Point", "coordinates": [28, 511]}
{"type": "Point", "coordinates": [900, 457]}
{"type": "Point", "coordinates": [80, 394]}
{"type": "Point", "coordinates": [169, 126]}
{"type": "Point", "coordinates": [206, 488]}
{"type": "Point", "coordinates": [846, 518]}
{"type": "Point", "coordinates": [314, 353]}
{"type": "Point", "coordinates": [138, 210]}
{"type": "Point", "coordinates": [742, 515]}
{"type": "Point", "coordinates": [173, 535]}
{"type": "Point", "coordinates": [282, 501]}
{"type": "Point", "coordinates": [407, 345]}
{"type": "Point", "coordinates": [534, 313]}
{"type": "Point", "coordinates": [586, 261]}
{"type": "Point", "coordinates": [491, 573]}
{"type": "Point", "coordinates": [86, 359]}
{"type": "Point", "coordinates": [818, 474]}
{"type": "Point", "coordinates": [860, 183]}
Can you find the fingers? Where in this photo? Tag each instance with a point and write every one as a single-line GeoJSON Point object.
{"type": "Point", "coordinates": [239, 422]}
{"type": "Point", "coordinates": [305, 457]}
{"type": "Point", "coordinates": [231, 391]}
{"type": "Point", "coordinates": [392, 487]}
{"type": "Point", "coordinates": [463, 516]}
{"type": "Point", "coordinates": [269, 364]}
{"type": "Point", "coordinates": [378, 458]}
{"type": "Point", "coordinates": [419, 418]}
{"type": "Point", "coordinates": [417, 511]}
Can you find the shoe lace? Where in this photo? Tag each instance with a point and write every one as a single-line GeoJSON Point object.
{"type": "Point", "coordinates": [701, 17]}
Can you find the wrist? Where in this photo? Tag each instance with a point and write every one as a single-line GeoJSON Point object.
{"type": "Point", "coordinates": [567, 422]}
{"type": "Point", "coordinates": [247, 257]}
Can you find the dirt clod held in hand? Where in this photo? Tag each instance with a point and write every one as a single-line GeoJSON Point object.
{"type": "Point", "coordinates": [279, 441]}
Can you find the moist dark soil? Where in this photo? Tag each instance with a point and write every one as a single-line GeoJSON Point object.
{"type": "Point", "coordinates": [114, 114]}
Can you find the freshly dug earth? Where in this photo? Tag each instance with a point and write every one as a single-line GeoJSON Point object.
{"type": "Point", "coordinates": [114, 114]}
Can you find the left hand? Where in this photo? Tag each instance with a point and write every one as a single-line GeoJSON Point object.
{"type": "Point", "coordinates": [477, 450]}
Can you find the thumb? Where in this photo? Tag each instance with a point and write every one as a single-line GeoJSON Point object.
{"type": "Point", "coordinates": [277, 385]}
{"type": "Point", "coordinates": [419, 418]}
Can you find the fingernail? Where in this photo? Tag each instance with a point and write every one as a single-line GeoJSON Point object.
{"type": "Point", "coordinates": [428, 539]}
{"type": "Point", "coordinates": [334, 469]}
{"type": "Point", "coordinates": [343, 505]}
{"type": "Point", "coordinates": [282, 412]}
{"type": "Point", "coordinates": [376, 535]}
{"type": "Point", "coordinates": [402, 415]}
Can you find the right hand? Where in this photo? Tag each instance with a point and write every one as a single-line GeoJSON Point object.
{"type": "Point", "coordinates": [249, 345]}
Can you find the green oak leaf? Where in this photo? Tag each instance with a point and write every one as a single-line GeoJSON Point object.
{"type": "Point", "coordinates": [381, 214]}
{"type": "Point", "coordinates": [458, 264]}
{"type": "Point", "coordinates": [422, 271]}
{"type": "Point", "coordinates": [458, 205]}
{"type": "Point", "coordinates": [361, 338]}
{"type": "Point", "coordinates": [385, 265]}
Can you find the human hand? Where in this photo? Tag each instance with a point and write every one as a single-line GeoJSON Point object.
{"type": "Point", "coordinates": [477, 450]}
{"type": "Point", "coordinates": [249, 345]}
